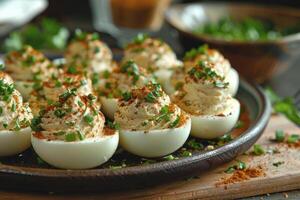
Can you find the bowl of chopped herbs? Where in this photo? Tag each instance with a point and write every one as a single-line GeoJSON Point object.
{"type": "Point", "coordinates": [259, 41]}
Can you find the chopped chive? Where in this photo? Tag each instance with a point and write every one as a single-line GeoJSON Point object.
{"type": "Point", "coordinates": [293, 138]}
{"type": "Point", "coordinates": [175, 122]}
{"type": "Point", "coordinates": [277, 164]}
{"type": "Point", "coordinates": [88, 119]}
{"type": "Point", "coordinates": [70, 137]}
{"type": "Point", "coordinates": [258, 150]}
{"type": "Point", "coordinates": [279, 135]}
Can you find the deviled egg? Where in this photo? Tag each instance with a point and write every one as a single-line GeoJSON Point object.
{"type": "Point", "coordinates": [28, 67]}
{"type": "Point", "coordinates": [220, 65]}
{"type": "Point", "coordinates": [204, 96]}
{"type": "Point", "coordinates": [154, 55]}
{"type": "Point", "coordinates": [15, 119]}
{"type": "Point", "coordinates": [118, 83]}
{"type": "Point", "coordinates": [70, 133]}
{"type": "Point", "coordinates": [86, 53]}
{"type": "Point", "coordinates": [150, 125]}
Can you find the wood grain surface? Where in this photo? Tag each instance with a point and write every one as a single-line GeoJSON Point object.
{"type": "Point", "coordinates": [277, 178]}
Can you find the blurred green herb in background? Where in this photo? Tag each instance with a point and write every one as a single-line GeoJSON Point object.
{"type": "Point", "coordinates": [248, 29]}
{"type": "Point", "coordinates": [46, 34]}
{"type": "Point", "coordinates": [284, 106]}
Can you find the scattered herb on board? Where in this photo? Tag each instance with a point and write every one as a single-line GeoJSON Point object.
{"type": "Point", "coordinates": [238, 166]}
{"type": "Point", "coordinates": [279, 135]}
{"type": "Point", "coordinates": [284, 106]}
{"type": "Point", "coordinates": [277, 164]}
{"type": "Point", "coordinates": [258, 150]}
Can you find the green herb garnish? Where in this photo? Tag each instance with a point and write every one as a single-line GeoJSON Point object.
{"type": "Point", "coordinates": [277, 164]}
{"type": "Point", "coordinates": [175, 122]}
{"type": "Point", "coordinates": [284, 106]}
{"type": "Point", "coordinates": [70, 137]}
{"type": "Point", "coordinates": [258, 150]}
{"type": "Point", "coordinates": [191, 54]}
{"type": "Point", "coordinates": [293, 138]}
{"type": "Point", "coordinates": [126, 96]}
{"type": "Point", "coordinates": [88, 119]}
{"type": "Point", "coordinates": [279, 136]}
{"type": "Point", "coordinates": [140, 38]}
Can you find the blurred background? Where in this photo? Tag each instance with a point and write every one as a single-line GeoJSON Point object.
{"type": "Point", "coordinates": [49, 24]}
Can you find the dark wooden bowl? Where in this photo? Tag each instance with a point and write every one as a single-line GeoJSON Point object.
{"type": "Point", "coordinates": [258, 60]}
{"type": "Point", "coordinates": [25, 174]}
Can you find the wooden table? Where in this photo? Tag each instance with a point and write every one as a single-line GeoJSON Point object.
{"type": "Point", "coordinates": [279, 178]}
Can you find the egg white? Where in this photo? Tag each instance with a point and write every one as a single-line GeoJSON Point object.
{"type": "Point", "coordinates": [155, 143]}
{"type": "Point", "coordinates": [85, 154]}
{"type": "Point", "coordinates": [24, 87]}
{"type": "Point", "coordinates": [164, 78]}
{"type": "Point", "coordinates": [109, 106]}
{"type": "Point", "coordinates": [14, 142]}
{"type": "Point", "coordinates": [233, 79]}
{"type": "Point", "coordinates": [210, 126]}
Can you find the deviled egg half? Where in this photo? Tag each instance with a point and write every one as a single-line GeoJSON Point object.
{"type": "Point", "coordinates": [154, 55]}
{"type": "Point", "coordinates": [70, 133]}
{"type": "Point", "coordinates": [150, 125]}
{"type": "Point", "coordinates": [87, 53]}
{"type": "Point", "coordinates": [15, 117]}
{"type": "Point", "coordinates": [220, 65]}
{"type": "Point", "coordinates": [204, 96]}
{"type": "Point", "coordinates": [56, 85]}
{"type": "Point", "coordinates": [28, 67]}
{"type": "Point", "coordinates": [118, 83]}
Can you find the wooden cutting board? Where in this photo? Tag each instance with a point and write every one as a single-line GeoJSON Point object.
{"type": "Point", "coordinates": [283, 177]}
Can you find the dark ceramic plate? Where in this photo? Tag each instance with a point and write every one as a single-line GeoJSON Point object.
{"type": "Point", "coordinates": [25, 172]}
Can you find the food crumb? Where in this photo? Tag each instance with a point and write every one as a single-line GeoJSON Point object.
{"type": "Point", "coordinates": [242, 175]}
{"type": "Point", "coordinates": [285, 195]}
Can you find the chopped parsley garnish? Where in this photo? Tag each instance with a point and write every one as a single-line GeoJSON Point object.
{"type": "Point", "coordinates": [131, 69]}
{"type": "Point", "coordinates": [72, 70]}
{"type": "Point", "coordinates": [126, 96]}
{"type": "Point", "coordinates": [195, 145]}
{"type": "Point", "coordinates": [17, 125]}
{"type": "Point", "coordinates": [293, 138]}
{"type": "Point", "coordinates": [140, 38]}
{"type": "Point", "coordinates": [5, 125]}
{"type": "Point", "coordinates": [258, 150]}
{"type": "Point", "coordinates": [156, 92]}
{"type": "Point", "coordinates": [195, 51]}
{"type": "Point", "coordinates": [29, 61]}
{"type": "Point", "coordinates": [6, 90]}
{"type": "Point", "coordinates": [59, 113]}
{"type": "Point", "coordinates": [95, 78]}
{"type": "Point", "coordinates": [36, 124]}
{"type": "Point", "coordinates": [96, 50]}
{"type": "Point", "coordinates": [170, 157]}
{"type": "Point", "coordinates": [113, 125]}
{"type": "Point", "coordinates": [13, 107]}
{"type": "Point", "coordinates": [106, 74]}
{"type": "Point", "coordinates": [277, 164]}
{"type": "Point", "coordinates": [239, 166]}
{"type": "Point", "coordinates": [70, 137]}
{"type": "Point", "coordinates": [1, 67]}
{"type": "Point", "coordinates": [59, 133]}
{"type": "Point", "coordinates": [80, 135]}
{"type": "Point", "coordinates": [175, 123]}
{"type": "Point", "coordinates": [88, 119]}
{"type": "Point", "coordinates": [186, 153]}
{"type": "Point", "coordinates": [80, 103]}
{"type": "Point", "coordinates": [202, 71]}
{"type": "Point", "coordinates": [279, 136]}
{"type": "Point", "coordinates": [68, 94]}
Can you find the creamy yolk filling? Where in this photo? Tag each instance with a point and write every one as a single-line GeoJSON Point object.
{"type": "Point", "coordinates": [14, 114]}
{"type": "Point", "coordinates": [72, 118]}
{"type": "Point", "coordinates": [148, 108]}
{"type": "Point", "coordinates": [151, 54]}
{"type": "Point", "coordinates": [204, 92]}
